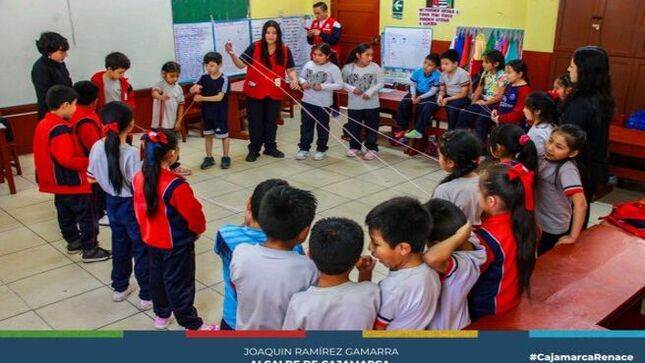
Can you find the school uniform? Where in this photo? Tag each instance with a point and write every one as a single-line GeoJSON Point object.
{"type": "Point", "coordinates": [215, 114]}
{"type": "Point", "coordinates": [453, 82]}
{"type": "Point", "coordinates": [473, 113]}
{"type": "Point", "coordinates": [540, 134]}
{"type": "Point", "coordinates": [497, 289]}
{"type": "Point", "coordinates": [61, 170]}
{"type": "Point", "coordinates": [113, 90]}
{"type": "Point", "coordinates": [426, 86]}
{"type": "Point", "coordinates": [460, 277]}
{"type": "Point", "coordinates": [369, 80]}
{"type": "Point", "coordinates": [409, 298]}
{"type": "Point", "coordinates": [557, 183]}
{"type": "Point", "coordinates": [126, 237]}
{"type": "Point", "coordinates": [462, 192]}
{"type": "Point", "coordinates": [228, 238]}
{"type": "Point", "coordinates": [170, 235]}
{"type": "Point", "coordinates": [315, 104]}
{"type": "Point", "coordinates": [265, 279]}
{"type": "Point", "coordinates": [348, 306]}
{"type": "Point", "coordinates": [164, 113]}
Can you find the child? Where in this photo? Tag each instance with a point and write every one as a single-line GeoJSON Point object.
{"type": "Point", "coordinates": [61, 167]}
{"type": "Point", "coordinates": [336, 303]}
{"type": "Point", "coordinates": [212, 89]}
{"type": "Point", "coordinates": [541, 114]}
{"type": "Point", "coordinates": [113, 164]}
{"type": "Point", "coordinates": [424, 85]}
{"type": "Point", "coordinates": [488, 93]}
{"type": "Point", "coordinates": [510, 109]}
{"type": "Point", "coordinates": [266, 276]}
{"type": "Point", "coordinates": [399, 229]}
{"type": "Point", "coordinates": [560, 187]}
{"type": "Point", "coordinates": [457, 257]}
{"type": "Point", "coordinates": [510, 145]}
{"type": "Point", "coordinates": [454, 87]}
{"type": "Point", "coordinates": [168, 99]}
{"type": "Point", "coordinates": [87, 129]}
{"type": "Point", "coordinates": [509, 235]}
{"type": "Point", "coordinates": [112, 84]}
{"type": "Point", "coordinates": [561, 88]}
{"type": "Point", "coordinates": [171, 220]}
{"type": "Point", "coordinates": [363, 80]}
{"type": "Point", "coordinates": [230, 236]}
{"type": "Point", "coordinates": [459, 152]}
{"type": "Point", "coordinates": [319, 79]}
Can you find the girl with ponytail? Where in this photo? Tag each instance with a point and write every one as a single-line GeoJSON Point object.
{"type": "Point", "coordinates": [510, 145]}
{"type": "Point", "coordinates": [459, 152]}
{"type": "Point", "coordinates": [509, 235]}
{"type": "Point", "coordinates": [171, 220]}
{"type": "Point", "coordinates": [113, 164]}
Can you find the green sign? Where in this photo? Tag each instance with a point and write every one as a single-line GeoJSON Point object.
{"type": "Point", "coordinates": [397, 9]}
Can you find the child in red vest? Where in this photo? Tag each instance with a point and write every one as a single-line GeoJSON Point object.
{"type": "Point", "coordinates": [112, 84]}
{"type": "Point", "coordinates": [61, 169]}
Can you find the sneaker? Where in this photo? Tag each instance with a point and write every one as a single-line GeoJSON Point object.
{"type": "Point", "coordinates": [335, 113]}
{"type": "Point", "coordinates": [121, 296]}
{"type": "Point", "coordinates": [275, 153]}
{"type": "Point", "coordinates": [162, 323]}
{"type": "Point", "coordinates": [370, 155]}
{"type": "Point", "coordinates": [398, 134]}
{"type": "Point", "coordinates": [225, 162]}
{"type": "Point", "coordinates": [145, 304]}
{"type": "Point", "coordinates": [352, 153]}
{"type": "Point", "coordinates": [207, 163]}
{"type": "Point", "coordinates": [302, 155]}
{"type": "Point", "coordinates": [104, 221]}
{"type": "Point", "coordinates": [74, 247]}
{"type": "Point", "coordinates": [182, 170]}
{"type": "Point", "coordinates": [96, 254]}
{"type": "Point", "coordinates": [319, 155]}
{"type": "Point", "coordinates": [209, 327]}
{"type": "Point", "coordinates": [251, 157]}
{"type": "Point", "coordinates": [414, 134]}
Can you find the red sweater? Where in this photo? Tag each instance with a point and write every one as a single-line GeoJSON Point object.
{"type": "Point", "coordinates": [127, 93]}
{"type": "Point", "coordinates": [511, 106]}
{"type": "Point", "coordinates": [87, 127]}
{"type": "Point", "coordinates": [179, 219]}
{"type": "Point", "coordinates": [61, 166]}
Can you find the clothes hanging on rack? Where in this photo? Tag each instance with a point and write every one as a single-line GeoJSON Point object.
{"type": "Point", "coordinates": [490, 45]}
{"type": "Point", "coordinates": [505, 43]}
{"type": "Point", "coordinates": [465, 54]}
{"type": "Point", "coordinates": [498, 41]}
{"type": "Point", "coordinates": [480, 44]}
{"type": "Point", "coordinates": [459, 46]}
{"type": "Point", "coordinates": [513, 51]}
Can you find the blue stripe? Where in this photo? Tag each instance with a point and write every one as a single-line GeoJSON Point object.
{"type": "Point", "coordinates": [483, 294]}
{"type": "Point", "coordinates": [587, 334]}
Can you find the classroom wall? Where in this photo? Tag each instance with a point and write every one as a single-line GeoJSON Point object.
{"type": "Point", "coordinates": [273, 8]}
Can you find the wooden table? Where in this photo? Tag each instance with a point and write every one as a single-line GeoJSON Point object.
{"type": "Point", "coordinates": [629, 143]}
{"type": "Point", "coordinates": [594, 284]}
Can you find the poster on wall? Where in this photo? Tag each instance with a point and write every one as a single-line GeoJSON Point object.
{"type": "Point", "coordinates": [446, 4]}
{"type": "Point", "coordinates": [431, 16]}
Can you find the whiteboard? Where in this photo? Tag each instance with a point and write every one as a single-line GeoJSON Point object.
{"type": "Point", "coordinates": [140, 29]}
{"type": "Point", "coordinates": [405, 47]}
{"type": "Point", "coordinates": [192, 41]}
{"type": "Point", "coordinates": [293, 35]}
{"type": "Point", "coordinates": [239, 34]}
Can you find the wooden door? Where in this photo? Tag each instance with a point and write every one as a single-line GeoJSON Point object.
{"type": "Point", "coordinates": [575, 24]}
{"type": "Point", "coordinates": [636, 95]}
{"type": "Point", "coordinates": [360, 23]}
{"type": "Point", "coordinates": [618, 27]}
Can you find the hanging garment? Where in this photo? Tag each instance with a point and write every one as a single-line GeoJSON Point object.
{"type": "Point", "coordinates": [465, 54]}
{"type": "Point", "coordinates": [498, 41]}
{"type": "Point", "coordinates": [475, 67]}
{"type": "Point", "coordinates": [459, 46]}
{"type": "Point", "coordinates": [519, 45]}
{"type": "Point", "coordinates": [505, 43]}
{"type": "Point", "coordinates": [513, 51]}
{"type": "Point", "coordinates": [480, 44]}
{"type": "Point", "coordinates": [490, 45]}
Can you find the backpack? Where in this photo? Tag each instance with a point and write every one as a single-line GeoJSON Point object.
{"type": "Point", "coordinates": [636, 121]}
{"type": "Point", "coordinates": [630, 217]}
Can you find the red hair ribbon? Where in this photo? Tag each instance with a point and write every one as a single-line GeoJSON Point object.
{"type": "Point", "coordinates": [111, 126]}
{"type": "Point", "coordinates": [526, 177]}
{"type": "Point", "coordinates": [157, 137]}
{"type": "Point", "coordinates": [524, 139]}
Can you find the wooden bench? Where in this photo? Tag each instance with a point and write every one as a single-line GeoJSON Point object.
{"type": "Point", "coordinates": [624, 142]}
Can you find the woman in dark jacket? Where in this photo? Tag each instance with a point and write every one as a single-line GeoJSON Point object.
{"type": "Point", "coordinates": [49, 69]}
{"type": "Point", "coordinates": [590, 105]}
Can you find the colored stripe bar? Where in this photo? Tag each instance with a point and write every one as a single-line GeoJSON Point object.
{"type": "Point", "coordinates": [420, 334]}
{"type": "Point", "coordinates": [587, 334]}
{"type": "Point", "coordinates": [92, 334]}
{"type": "Point", "coordinates": [299, 334]}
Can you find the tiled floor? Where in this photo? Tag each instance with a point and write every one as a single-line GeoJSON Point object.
{"type": "Point", "coordinates": [41, 287]}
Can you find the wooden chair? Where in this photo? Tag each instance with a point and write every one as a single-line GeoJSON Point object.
{"type": "Point", "coordinates": [8, 160]}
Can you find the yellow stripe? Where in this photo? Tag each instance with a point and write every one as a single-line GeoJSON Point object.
{"type": "Point", "coordinates": [420, 334]}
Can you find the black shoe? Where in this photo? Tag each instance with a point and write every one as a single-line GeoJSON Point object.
{"type": "Point", "coordinates": [251, 157]}
{"type": "Point", "coordinates": [275, 153]}
{"type": "Point", "coordinates": [207, 163]}
{"type": "Point", "coordinates": [96, 254]}
{"type": "Point", "coordinates": [225, 163]}
{"type": "Point", "coordinates": [74, 247]}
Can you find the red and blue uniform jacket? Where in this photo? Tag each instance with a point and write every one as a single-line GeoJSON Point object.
{"type": "Point", "coordinates": [87, 127]}
{"type": "Point", "coordinates": [127, 93]}
{"type": "Point", "coordinates": [179, 219]}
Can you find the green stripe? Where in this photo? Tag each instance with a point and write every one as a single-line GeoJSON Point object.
{"type": "Point", "coordinates": [110, 334]}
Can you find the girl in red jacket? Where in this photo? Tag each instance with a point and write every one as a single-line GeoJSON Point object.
{"type": "Point", "coordinates": [171, 220]}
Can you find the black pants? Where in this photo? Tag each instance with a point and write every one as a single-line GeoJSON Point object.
{"type": "Point", "coordinates": [99, 200]}
{"type": "Point", "coordinates": [172, 284]}
{"type": "Point", "coordinates": [425, 110]}
{"type": "Point", "coordinates": [468, 119]}
{"type": "Point", "coordinates": [357, 118]}
{"type": "Point", "coordinates": [263, 116]}
{"type": "Point", "coordinates": [77, 219]}
{"type": "Point", "coordinates": [548, 241]}
{"type": "Point", "coordinates": [319, 121]}
{"type": "Point", "coordinates": [453, 110]}
{"type": "Point", "coordinates": [126, 244]}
